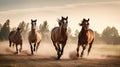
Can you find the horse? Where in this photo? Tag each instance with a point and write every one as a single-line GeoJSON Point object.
{"type": "Point", "coordinates": [34, 37]}
{"type": "Point", "coordinates": [59, 36]}
{"type": "Point", "coordinates": [16, 38]}
{"type": "Point", "coordinates": [85, 37]}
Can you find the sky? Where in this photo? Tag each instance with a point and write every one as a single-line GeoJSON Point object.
{"type": "Point", "coordinates": [102, 13]}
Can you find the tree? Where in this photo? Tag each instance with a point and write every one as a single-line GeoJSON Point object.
{"type": "Point", "coordinates": [76, 33]}
{"type": "Point", "coordinates": [69, 31]}
{"type": "Point", "coordinates": [97, 37]}
{"type": "Point", "coordinates": [0, 26]}
{"type": "Point", "coordinates": [5, 30]}
{"type": "Point", "coordinates": [43, 28]}
{"type": "Point", "coordinates": [109, 35]}
{"type": "Point", "coordinates": [24, 28]}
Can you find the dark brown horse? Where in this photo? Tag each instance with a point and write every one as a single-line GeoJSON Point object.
{"type": "Point", "coordinates": [34, 37]}
{"type": "Point", "coordinates": [59, 36]}
{"type": "Point", "coordinates": [15, 37]}
{"type": "Point", "coordinates": [85, 37]}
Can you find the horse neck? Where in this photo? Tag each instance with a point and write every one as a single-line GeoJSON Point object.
{"type": "Point", "coordinates": [61, 31]}
{"type": "Point", "coordinates": [18, 34]}
{"type": "Point", "coordinates": [83, 30]}
{"type": "Point", "coordinates": [33, 31]}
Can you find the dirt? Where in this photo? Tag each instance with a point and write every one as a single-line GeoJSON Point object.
{"type": "Point", "coordinates": [100, 56]}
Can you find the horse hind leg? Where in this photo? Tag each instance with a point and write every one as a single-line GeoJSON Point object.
{"type": "Point", "coordinates": [10, 42]}
{"type": "Point", "coordinates": [37, 45]}
{"type": "Point", "coordinates": [90, 45]}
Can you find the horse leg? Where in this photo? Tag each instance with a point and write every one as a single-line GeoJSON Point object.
{"type": "Point", "coordinates": [84, 47]}
{"type": "Point", "coordinates": [13, 45]}
{"type": "Point", "coordinates": [10, 43]}
{"type": "Point", "coordinates": [63, 45]}
{"type": "Point", "coordinates": [90, 45]}
{"type": "Point", "coordinates": [55, 46]}
{"type": "Point", "coordinates": [16, 48]}
{"type": "Point", "coordinates": [58, 51]}
{"type": "Point", "coordinates": [78, 50]}
{"type": "Point", "coordinates": [37, 45]}
{"type": "Point", "coordinates": [20, 47]}
{"type": "Point", "coordinates": [34, 46]}
{"type": "Point", "coordinates": [31, 48]}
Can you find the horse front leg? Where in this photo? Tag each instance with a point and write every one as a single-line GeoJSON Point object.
{"type": "Point", "coordinates": [34, 46]}
{"type": "Point", "coordinates": [31, 48]}
{"type": "Point", "coordinates": [55, 46]}
{"type": "Point", "coordinates": [84, 47]}
{"type": "Point", "coordinates": [16, 48]}
{"type": "Point", "coordinates": [63, 45]}
{"type": "Point", "coordinates": [58, 51]}
{"type": "Point", "coordinates": [20, 48]}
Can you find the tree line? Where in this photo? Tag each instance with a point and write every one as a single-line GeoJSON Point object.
{"type": "Point", "coordinates": [109, 35]}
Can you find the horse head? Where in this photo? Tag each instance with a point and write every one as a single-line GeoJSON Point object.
{"type": "Point", "coordinates": [85, 24]}
{"type": "Point", "coordinates": [63, 23]}
{"type": "Point", "coordinates": [33, 23]}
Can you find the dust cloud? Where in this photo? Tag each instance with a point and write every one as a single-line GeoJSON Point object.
{"type": "Point", "coordinates": [47, 50]}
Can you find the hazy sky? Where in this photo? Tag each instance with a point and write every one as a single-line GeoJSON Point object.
{"type": "Point", "coordinates": [102, 13]}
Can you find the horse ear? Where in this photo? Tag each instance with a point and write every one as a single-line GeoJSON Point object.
{"type": "Point", "coordinates": [84, 19]}
{"type": "Point", "coordinates": [31, 20]}
{"type": "Point", "coordinates": [62, 17]}
{"type": "Point", "coordinates": [67, 17]}
{"type": "Point", "coordinates": [88, 19]}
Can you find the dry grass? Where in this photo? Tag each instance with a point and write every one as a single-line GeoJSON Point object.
{"type": "Point", "coordinates": [101, 55]}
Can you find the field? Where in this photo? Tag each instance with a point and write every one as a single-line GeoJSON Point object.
{"type": "Point", "coordinates": [101, 55]}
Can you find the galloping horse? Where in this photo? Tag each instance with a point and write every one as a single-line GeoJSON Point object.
{"type": "Point", "coordinates": [59, 36]}
{"type": "Point", "coordinates": [15, 37]}
{"type": "Point", "coordinates": [85, 37]}
{"type": "Point", "coordinates": [34, 37]}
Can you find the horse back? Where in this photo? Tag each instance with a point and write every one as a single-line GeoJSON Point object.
{"type": "Point", "coordinates": [90, 35]}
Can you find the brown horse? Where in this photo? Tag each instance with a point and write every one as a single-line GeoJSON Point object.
{"type": "Point", "coordinates": [59, 36]}
{"type": "Point", "coordinates": [34, 37]}
{"type": "Point", "coordinates": [85, 37]}
{"type": "Point", "coordinates": [15, 37]}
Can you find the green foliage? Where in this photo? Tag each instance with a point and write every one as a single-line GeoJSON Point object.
{"type": "Point", "coordinates": [110, 35]}
{"type": "Point", "coordinates": [5, 30]}
{"type": "Point", "coordinates": [0, 26]}
{"type": "Point", "coordinates": [44, 29]}
{"type": "Point", "coordinates": [24, 28]}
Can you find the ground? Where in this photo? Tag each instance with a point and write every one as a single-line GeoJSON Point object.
{"type": "Point", "coordinates": [100, 56]}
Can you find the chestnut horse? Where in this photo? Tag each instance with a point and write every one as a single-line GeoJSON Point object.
{"type": "Point", "coordinates": [15, 37]}
{"type": "Point", "coordinates": [34, 37]}
{"type": "Point", "coordinates": [59, 36]}
{"type": "Point", "coordinates": [85, 37]}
